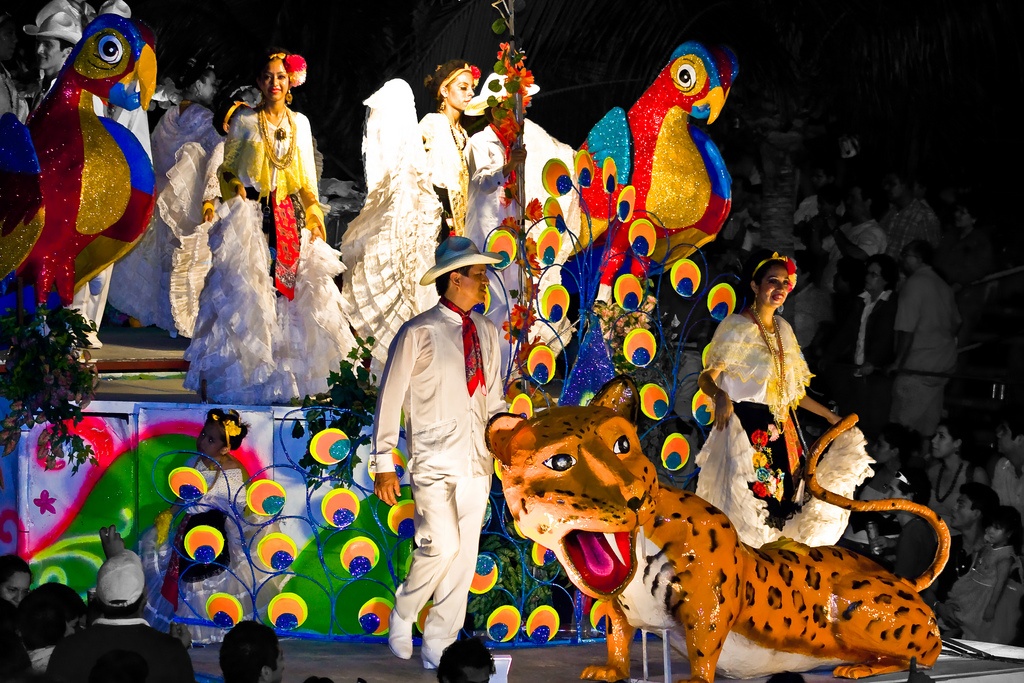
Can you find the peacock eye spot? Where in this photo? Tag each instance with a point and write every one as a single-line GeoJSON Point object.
{"type": "Point", "coordinates": [621, 445]}
{"type": "Point", "coordinates": [560, 462]}
{"type": "Point", "coordinates": [110, 49]}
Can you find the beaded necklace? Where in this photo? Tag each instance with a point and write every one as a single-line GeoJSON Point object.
{"type": "Point", "coordinates": [952, 484]}
{"type": "Point", "coordinates": [459, 144]}
{"type": "Point", "coordinates": [269, 144]}
{"type": "Point", "coordinates": [778, 359]}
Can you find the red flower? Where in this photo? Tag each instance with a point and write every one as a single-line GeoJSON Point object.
{"type": "Point", "coordinates": [476, 72]}
{"type": "Point", "coordinates": [295, 66]}
{"type": "Point", "coordinates": [759, 439]}
{"type": "Point", "coordinates": [760, 490]}
{"type": "Point", "coordinates": [534, 211]}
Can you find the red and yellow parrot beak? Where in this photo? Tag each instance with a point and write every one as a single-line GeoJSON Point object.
{"type": "Point", "coordinates": [714, 100]}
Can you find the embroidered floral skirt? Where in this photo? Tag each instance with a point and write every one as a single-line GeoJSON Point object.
{"type": "Point", "coordinates": [777, 460]}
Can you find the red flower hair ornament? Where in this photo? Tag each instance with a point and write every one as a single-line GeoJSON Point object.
{"type": "Point", "coordinates": [785, 260]}
{"type": "Point", "coordinates": [295, 66]}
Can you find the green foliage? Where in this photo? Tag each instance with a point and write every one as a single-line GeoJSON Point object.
{"type": "Point", "coordinates": [347, 405]}
{"type": "Point", "coordinates": [48, 379]}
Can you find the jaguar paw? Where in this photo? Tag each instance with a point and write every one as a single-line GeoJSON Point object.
{"type": "Point", "coordinates": [604, 672]}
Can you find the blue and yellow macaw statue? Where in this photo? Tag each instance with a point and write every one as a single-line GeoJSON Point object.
{"type": "Point", "coordinates": [678, 178]}
{"type": "Point", "coordinates": [77, 189]}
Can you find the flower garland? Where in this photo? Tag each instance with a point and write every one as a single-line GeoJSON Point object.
{"type": "Point", "coordinates": [518, 78]}
{"type": "Point", "coordinates": [48, 380]}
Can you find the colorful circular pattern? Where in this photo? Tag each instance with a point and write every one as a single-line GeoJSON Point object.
{"type": "Point", "coordinates": [521, 405]}
{"type": "Point", "coordinates": [540, 364]}
{"type": "Point", "coordinates": [224, 609]}
{"type": "Point", "coordinates": [187, 483]}
{"type": "Point", "coordinates": [556, 178]}
{"type": "Point", "coordinates": [685, 277]}
{"type": "Point", "coordinates": [542, 624]}
{"type": "Point", "coordinates": [703, 408]}
{"type": "Point", "coordinates": [600, 613]}
{"type": "Point", "coordinates": [541, 556]}
{"type": "Point", "coordinates": [276, 551]}
{"type": "Point", "coordinates": [628, 292]}
{"type": "Point", "coordinates": [554, 303]}
{"type": "Point", "coordinates": [653, 401]}
{"type": "Point", "coordinates": [265, 497]}
{"type": "Point", "coordinates": [503, 623]}
{"type": "Point", "coordinates": [486, 576]}
{"type": "Point", "coordinates": [721, 301]}
{"type": "Point", "coordinates": [640, 347]}
{"type": "Point", "coordinates": [340, 508]}
{"type": "Point", "coordinates": [503, 241]}
{"type": "Point", "coordinates": [675, 452]}
{"type": "Point", "coordinates": [375, 616]}
{"type": "Point", "coordinates": [642, 236]}
{"type": "Point", "coordinates": [359, 555]}
{"type": "Point", "coordinates": [330, 446]}
{"type": "Point", "coordinates": [553, 216]}
{"type": "Point", "coordinates": [610, 174]}
{"type": "Point", "coordinates": [584, 164]}
{"type": "Point", "coordinates": [287, 611]}
{"type": "Point", "coordinates": [549, 243]}
{"type": "Point", "coordinates": [400, 519]}
{"type": "Point", "coordinates": [624, 204]}
{"type": "Point", "coordinates": [204, 543]}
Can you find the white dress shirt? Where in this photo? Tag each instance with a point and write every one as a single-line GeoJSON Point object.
{"type": "Point", "coordinates": [425, 377]}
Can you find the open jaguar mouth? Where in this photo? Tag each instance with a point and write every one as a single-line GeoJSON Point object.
{"type": "Point", "coordinates": [604, 561]}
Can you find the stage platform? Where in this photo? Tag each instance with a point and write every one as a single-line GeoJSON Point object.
{"type": "Point", "coordinates": [374, 663]}
{"type": "Point", "coordinates": [141, 364]}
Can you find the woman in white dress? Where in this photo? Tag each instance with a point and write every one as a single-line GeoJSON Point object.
{"type": "Point", "coordinates": [417, 180]}
{"type": "Point", "coordinates": [270, 326]}
{"type": "Point", "coordinates": [753, 462]}
{"type": "Point", "coordinates": [140, 283]}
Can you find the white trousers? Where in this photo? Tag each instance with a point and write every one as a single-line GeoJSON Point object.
{"type": "Point", "coordinates": [91, 298]}
{"type": "Point", "coordinates": [449, 513]}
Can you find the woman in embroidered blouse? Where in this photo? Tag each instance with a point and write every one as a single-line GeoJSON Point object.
{"type": "Point", "coordinates": [752, 462]}
{"type": "Point", "coordinates": [445, 140]}
{"type": "Point", "coordinates": [270, 326]}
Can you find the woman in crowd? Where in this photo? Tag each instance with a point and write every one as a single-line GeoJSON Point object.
{"type": "Point", "coordinates": [753, 461]}
{"type": "Point", "coordinates": [948, 469]}
{"type": "Point", "coordinates": [270, 326]}
{"type": "Point", "coordinates": [141, 282]}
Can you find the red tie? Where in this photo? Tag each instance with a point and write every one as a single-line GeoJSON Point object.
{"type": "Point", "coordinates": [470, 347]}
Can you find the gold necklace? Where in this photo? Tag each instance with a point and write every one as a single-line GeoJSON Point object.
{"type": "Point", "coordinates": [269, 144]}
{"type": "Point", "coordinates": [778, 359]}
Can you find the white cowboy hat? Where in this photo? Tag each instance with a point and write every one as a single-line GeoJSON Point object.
{"type": "Point", "coordinates": [59, 25]}
{"type": "Point", "coordinates": [456, 252]}
{"type": "Point", "coordinates": [478, 105]}
{"type": "Point", "coordinates": [118, 7]}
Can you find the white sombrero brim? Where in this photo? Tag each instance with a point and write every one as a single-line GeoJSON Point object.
{"type": "Point", "coordinates": [487, 258]}
{"type": "Point", "coordinates": [478, 105]}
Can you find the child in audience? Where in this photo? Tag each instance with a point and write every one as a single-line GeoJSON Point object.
{"type": "Point", "coordinates": [15, 578]}
{"type": "Point", "coordinates": [985, 603]}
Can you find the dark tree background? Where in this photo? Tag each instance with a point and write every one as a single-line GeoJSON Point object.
{"type": "Point", "coordinates": [927, 86]}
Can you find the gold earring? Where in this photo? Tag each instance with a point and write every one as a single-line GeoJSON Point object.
{"type": "Point", "coordinates": [288, 97]}
{"type": "Point", "coordinates": [440, 107]}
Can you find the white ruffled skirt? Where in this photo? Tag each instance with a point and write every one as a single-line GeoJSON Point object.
{"type": "Point", "coordinates": [727, 471]}
{"type": "Point", "coordinates": [250, 345]}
